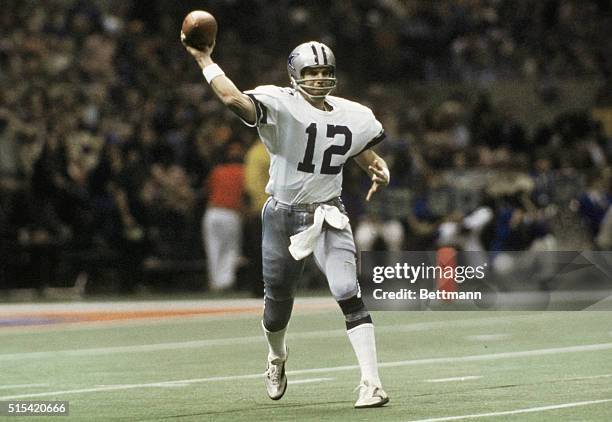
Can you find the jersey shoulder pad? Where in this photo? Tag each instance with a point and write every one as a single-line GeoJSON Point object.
{"type": "Point", "coordinates": [270, 91]}
{"type": "Point", "coordinates": [269, 100]}
{"type": "Point", "coordinates": [349, 105]}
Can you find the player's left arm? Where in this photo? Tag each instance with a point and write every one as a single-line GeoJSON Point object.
{"type": "Point", "coordinates": [376, 168]}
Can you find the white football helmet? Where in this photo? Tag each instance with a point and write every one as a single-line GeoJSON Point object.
{"type": "Point", "coordinates": [311, 54]}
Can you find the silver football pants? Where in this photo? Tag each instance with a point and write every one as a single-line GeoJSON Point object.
{"type": "Point", "coordinates": [334, 253]}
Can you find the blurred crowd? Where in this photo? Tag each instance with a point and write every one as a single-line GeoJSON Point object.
{"type": "Point", "coordinates": [108, 133]}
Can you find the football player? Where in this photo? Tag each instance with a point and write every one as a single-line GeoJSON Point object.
{"type": "Point", "coordinates": [309, 135]}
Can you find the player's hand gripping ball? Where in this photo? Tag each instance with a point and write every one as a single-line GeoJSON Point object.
{"type": "Point", "coordinates": [200, 29]}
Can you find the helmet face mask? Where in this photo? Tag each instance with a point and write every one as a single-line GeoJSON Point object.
{"type": "Point", "coordinates": [312, 54]}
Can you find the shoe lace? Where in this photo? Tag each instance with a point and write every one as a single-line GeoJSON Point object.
{"type": "Point", "coordinates": [274, 373]}
{"type": "Point", "coordinates": [360, 387]}
{"type": "Point", "coordinates": [364, 387]}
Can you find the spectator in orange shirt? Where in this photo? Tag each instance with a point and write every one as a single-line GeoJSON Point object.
{"type": "Point", "coordinates": [222, 221]}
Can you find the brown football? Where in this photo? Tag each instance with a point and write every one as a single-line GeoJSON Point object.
{"type": "Point", "coordinates": [200, 29]}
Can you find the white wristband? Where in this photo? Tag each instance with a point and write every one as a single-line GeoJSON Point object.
{"type": "Point", "coordinates": [211, 71]}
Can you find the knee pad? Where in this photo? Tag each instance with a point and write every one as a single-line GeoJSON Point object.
{"type": "Point", "coordinates": [355, 312]}
{"type": "Point", "coordinates": [276, 313]}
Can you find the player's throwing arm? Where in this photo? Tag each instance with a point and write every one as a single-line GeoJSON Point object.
{"type": "Point", "coordinates": [198, 36]}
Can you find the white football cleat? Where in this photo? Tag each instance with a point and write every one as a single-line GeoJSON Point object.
{"type": "Point", "coordinates": [370, 396]}
{"type": "Point", "coordinates": [275, 378]}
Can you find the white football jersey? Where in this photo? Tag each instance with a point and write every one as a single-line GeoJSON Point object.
{"type": "Point", "coordinates": [308, 147]}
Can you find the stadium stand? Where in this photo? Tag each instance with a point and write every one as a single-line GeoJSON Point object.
{"type": "Point", "coordinates": [107, 133]}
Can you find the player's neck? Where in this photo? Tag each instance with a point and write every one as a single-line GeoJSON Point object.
{"type": "Point", "coordinates": [318, 103]}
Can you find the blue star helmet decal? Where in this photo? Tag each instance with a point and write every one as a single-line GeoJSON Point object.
{"type": "Point", "coordinates": [291, 59]}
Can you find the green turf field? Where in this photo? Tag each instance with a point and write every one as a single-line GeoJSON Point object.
{"type": "Point", "coordinates": [435, 366]}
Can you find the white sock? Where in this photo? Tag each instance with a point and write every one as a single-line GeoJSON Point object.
{"type": "Point", "coordinates": [277, 349]}
{"type": "Point", "coordinates": [364, 344]}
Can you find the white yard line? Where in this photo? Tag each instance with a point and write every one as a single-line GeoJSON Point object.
{"type": "Point", "coordinates": [97, 351]}
{"type": "Point", "coordinates": [515, 412]}
{"type": "Point", "coordinates": [466, 378]}
{"type": "Point", "coordinates": [503, 355]}
{"type": "Point", "coordinates": [230, 341]}
{"type": "Point", "coordinates": [414, 362]}
{"type": "Point", "coordinates": [592, 377]}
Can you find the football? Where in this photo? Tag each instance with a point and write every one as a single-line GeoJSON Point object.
{"type": "Point", "coordinates": [200, 29]}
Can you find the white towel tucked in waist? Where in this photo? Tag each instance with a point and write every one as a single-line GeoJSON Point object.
{"type": "Point", "coordinates": [303, 243]}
